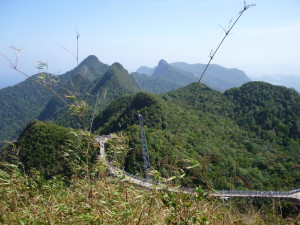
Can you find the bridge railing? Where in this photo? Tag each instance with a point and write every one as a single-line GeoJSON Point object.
{"type": "Point", "coordinates": [190, 190]}
{"type": "Point", "coordinates": [294, 191]}
{"type": "Point", "coordinates": [222, 192]}
{"type": "Point", "coordinates": [255, 193]}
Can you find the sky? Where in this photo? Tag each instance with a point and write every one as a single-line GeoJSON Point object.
{"type": "Point", "coordinates": [141, 32]}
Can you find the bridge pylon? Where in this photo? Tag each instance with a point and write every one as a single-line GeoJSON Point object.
{"type": "Point", "coordinates": [146, 156]}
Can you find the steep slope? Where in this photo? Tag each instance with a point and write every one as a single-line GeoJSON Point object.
{"type": "Point", "coordinates": [19, 104]}
{"type": "Point", "coordinates": [28, 100]}
{"type": "Point", "coordinates": [115, 82]}
{"type": "Point", "coordinates": [165, 70]}
{"type": "Point", "coordinates": [52, 150]}
{"type": "Point", "coordinates": [89, 69]}
{"type": "Point", "coordinates": [77, 82]}
{"type": "Point", "coordinates": [164, 78]}
{"type": "Point", "coordinates": [223, 153]}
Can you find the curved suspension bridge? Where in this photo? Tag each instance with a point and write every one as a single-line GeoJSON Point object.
{"type": "Point", "coordinates": [147, 183]}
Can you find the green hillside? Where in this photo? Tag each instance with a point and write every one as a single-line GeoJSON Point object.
{"type": "Point", "coordinates": [230, 156]}
{"type": "Point", "coordinates": [273, 112]}
{"type": "Point", "coordinates": [208, 145]}
{"type": "Point", "coordinates": [114, 83]}
{"type": "Point", "coordinates": [52, 151]}
{"type": "Point", "coordinates": [78, 84]}
{"type": "Point", "coordinates": [78, 88]}
{"type": "Point", "coordinates": [245, 138]}
{"type": "Point", "coordinates": [28, 100]}
{"type": "Point", "coordinates": [117, 82]}
{"type": "Point", "coordinates": [156, 85]}
{"type": "Point", "coordinates": [19, 104]}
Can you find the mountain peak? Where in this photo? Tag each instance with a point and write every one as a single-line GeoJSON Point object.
{"type": "Point", "coordinates": [92, 63]}
{"type": "Point", "coordinates": [118, 79]}
{"type": "Point", "coordinates": [162, 62]}
{"type": "Point", "coordinates": [161, 68]}
{"type": "Point", "coordinates": [89, 69]}
{"type": "Point", "coordinates": [117, 66]}
{"type": "Point", "coordinates": [167, 71]}
{"type": "Point", "coordinates": [91, 59]}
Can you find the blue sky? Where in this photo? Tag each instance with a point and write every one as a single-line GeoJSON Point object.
{"type": "Point", "coordinates": [141, 32]}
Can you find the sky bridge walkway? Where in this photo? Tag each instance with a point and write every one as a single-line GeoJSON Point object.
{"type": "Point", "coordinates": [146, 183]}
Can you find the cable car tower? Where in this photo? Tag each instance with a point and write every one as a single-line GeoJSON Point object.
{"type": "Point", "coordinates": [144, 147]}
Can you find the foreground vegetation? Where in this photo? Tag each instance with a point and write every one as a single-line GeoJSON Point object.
{"type": "Point", "coordinates": [51, 175]}
{"type": "Point", "coordinates": [100, 199]}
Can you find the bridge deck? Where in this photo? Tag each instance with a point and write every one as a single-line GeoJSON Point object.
{"type": "Point", "coordinates": [295, 194]}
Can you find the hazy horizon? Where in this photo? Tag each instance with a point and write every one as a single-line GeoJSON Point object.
{"type": "Point", "coordinates": [271, 78]}
{"type": "Point", "coordinates": [140, 33]}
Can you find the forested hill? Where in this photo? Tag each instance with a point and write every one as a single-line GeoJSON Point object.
{"type": "Point", "coordinates": [19, 104]}
{"type": "Point", "coordinates": [78, 87]}
{"type": "Point", "coordinates": [224, 152]}
{"type": "Point", "coordinates": [272, 112]}
{"type": "Point", "coordinates": [26, 100]}
{"type": "Point", "coordinates": [114, 83]}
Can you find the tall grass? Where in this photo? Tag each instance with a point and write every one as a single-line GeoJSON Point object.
{"type": "Point", "coordinates": [108, 200]}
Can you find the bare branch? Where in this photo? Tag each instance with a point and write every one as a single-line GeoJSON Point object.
{"type": "Point", "coordinates": [96, 104]}
{"type": "Point", "coordinates": [41, 65]}
{"type": "Point", "coordinates": [15, 48]}
{"type": "Point", "coordinates": [223, 28]}
{"type": "Point", "coordinates": [246, 7]}
{"type": "Point", "coordinates": [77, 36]}
{"type": "Point", "coordinates": [12, 64]}
{"type": "Point", "coordinates": [211, 55]}
{"type": "Point", "coordinates": [69, 51]}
